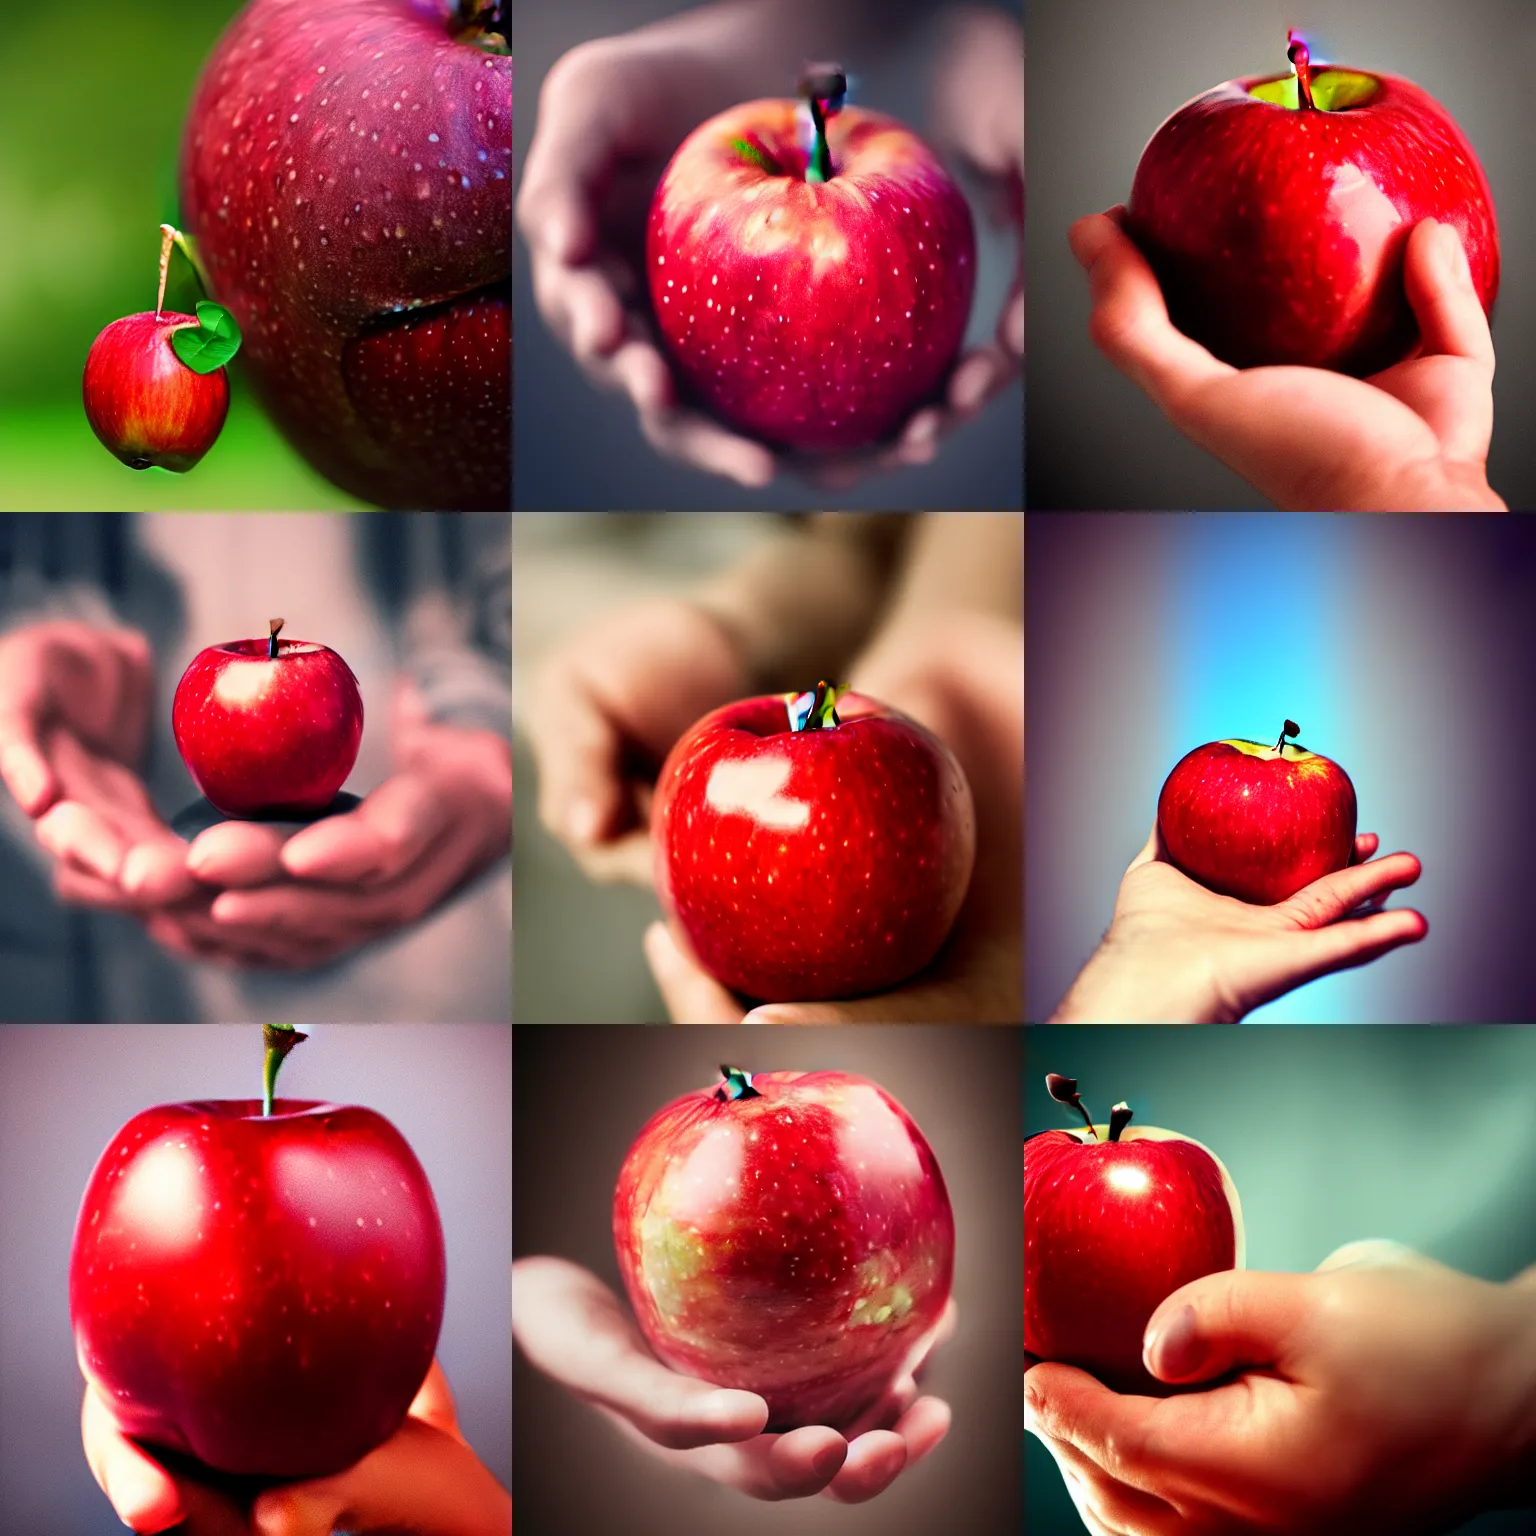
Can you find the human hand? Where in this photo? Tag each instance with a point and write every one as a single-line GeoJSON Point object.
{"type": "Point", "coordinates": [606, 707]}
{"type": "Point", "coordinates": [424, 1478]}
{"type": "Point", "coordinates": [1179, 953]}
{"type": "Point", "coordinates": [1412, 438]}
{"type": "Point", "coordinates": [573, 1328]}
{"type": "Point", "coordinates": [1385, 1392]}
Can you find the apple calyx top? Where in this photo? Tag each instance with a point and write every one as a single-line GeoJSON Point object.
{"type": "Point", "coordinates": [815, 711]}
{"type": "Point", "coordinates": [277, 1040]}
{"type": "Point", "coordinates": [483, 24]}
{"type": "Point", "coordinates": [1329, 90]}
{"type": "Point", "coordinates": [1289, 728]}
{"type": "Point", "coordinates": [1064, 1091]}
{"type": "Point", "coordinates": [824, 86]}
{"type": "Point", "coordinates": [736, 1084]}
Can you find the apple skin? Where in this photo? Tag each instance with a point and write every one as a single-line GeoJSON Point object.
{"type": "Point", "coordinates": [143, 402]}
{"type": "Point", "coordinates": [1278, 235]}
{"type": "Point", "coordinates": [807, 865]}
{"type": "Point", "coordinates": [1111, 1229]}
{"type": "Point", "coordinates": [1246, 821]}
{"type": "Point", "coordinates": [264, 1294]}
{"type": "Point", "coordinates": [810, 315]}
{"type": "Point", "coordinates": [799, 1245]}
{"type": "Point", "coordinates": [365, 251]}
{"type": "Point", "coordinates": [268, 737]}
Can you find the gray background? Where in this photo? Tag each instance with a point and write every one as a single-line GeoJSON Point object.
{"type": "Point", "coordinates": [574, 1471]}
{"type": "Point", "coordinates": [576, 447]}
{"type": "Point", "coordinates": [1104, 73]}
{"type": "Point", "coordinates": [69, 1087]}
{"type": "Point", "coordinates": [1424, 1136]}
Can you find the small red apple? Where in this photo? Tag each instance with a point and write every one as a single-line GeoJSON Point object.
{"type": "Point", "coordinates": [268, 727]}
{"type": "Point", "coordinates": [1274, 211]}
{"type": "Point", "coordinates": [1257, 822]}
{"type": "Point", "coordinates": [257, 1284]}
{"type": "Point", "coordinates": [1116, 1220]}
{"type": "Point", "coordinates": [789, 1234]}
{"type": "Point", "coordinates": [811, 275]}
{"type": "Point", "coordinates": [809, 851]}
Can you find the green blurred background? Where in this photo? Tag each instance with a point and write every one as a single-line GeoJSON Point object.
{"type": "Point", "coordinates": [1418, 1134]}
{"type": "Point", "coordinates": [91, 109]}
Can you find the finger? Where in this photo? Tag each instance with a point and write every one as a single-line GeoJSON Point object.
{"type": "Point", "coordinates": [695, 440]}
{"type": "Point", "coordinates": [433, 1404]}
{"type": "Point", "coordinates": [1371, 1253]}
{"type": "Point", "coordinates": [383, 838]}
{"type": "Point", "coordinates": [1233, 1318]}
{"type": "Point", "coordinates": [1108, 1506]}
{"type": "Point", "coordinates": [581, 306]}
{"type": "Point", "coordinates": [1343, 945]}
{"type": "Point", "coordinates": [1151, 851]}
{"type": "Point", "coordinates": [156, 874]}
{"type": "Point", "coordinates": [626, 860]}
{"type": "Point", "coordinates": [1366, 845]}
{"type": "Point", "coordinates": [82, 890]}
{"type": "Point", "coordinates": [23, 766]}
{"type": "Point", "coordinates": [237, 854]}
{"type": "Point", "coordinates": [1440, 290]}
{"type": "Point", "coordinates": [1066, 1407]}
{"type": "Point", "coordinates": [874, 1462]}
{"type": "Point", "coordinates": [923, 1426]}
{"type": "Point", "coordinates": [194, 935]}
{"type": "Point", "coordinates": [1334, 896]}
{"type": "Point", "coordinates": [577, 748]}
{"type": "Point", "coordinates": [980, 376]}
{"type": "Point", "coordinates": [81, 835]}
{"type": "Point", "coordinates": [139, 1488]}
{"type": "Point", "coordinates": [802, 1462]}
{"type": "Point", "coordinates": [692, 995]}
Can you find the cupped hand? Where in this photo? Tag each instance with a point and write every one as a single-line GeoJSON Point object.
{"type": "Point", "coordinates": [424, 1478]}
{"type": "Point", "coordinates": [1177, 953]}
{"type": "Point", "coordinates": [1385, 1392]}
{"type": "Point", "coordinates": [1412, 438]}
{"type": "Point", "coordinates": [573, 1328]}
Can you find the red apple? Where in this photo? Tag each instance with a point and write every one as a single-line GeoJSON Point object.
{"type": "Point", "coordinates": [346, 172]}
{"type": "Point", "coordinates": [1115, 1221]}
{"type": "Point", "coordinates": [1257, 822]}
{"type": "Point", "coordinates": [144, 403]}
{"type": "Point", "coordinates": [261, 1292]}
{"type": "Point", "coordinates": [788, 1234]}
{"type": "Point", "coordinates": [1274, 211]}
{"type": "Point", "coordinates": [268, 726]}
{"type": "Point", "coordinates": [815, 311]}
{"type": "Point", "coordinates": [811, 860]}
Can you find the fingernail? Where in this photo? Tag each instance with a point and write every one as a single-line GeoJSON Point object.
{"type": "Point", "coordinates": [1455, 255]}
{"type": "Point", "coordinates": [25, 775]}
{"type": "Point", "coordinates": [582, 821]}
{"type": "Point", "coordinates": [225, 909]}
{"type": "Point", "coordinates": [135, 871]}
{"type": "Point", "coordinates": [1174, 1352]}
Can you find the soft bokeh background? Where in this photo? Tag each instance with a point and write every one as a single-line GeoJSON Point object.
{"type": "Point", "coordinates": [91, 112]}
{"type": "Point", "coordinates": [574, 1470]}
{"type": "Point", "coordinates": [1423, 1136]}
{"type": "Point", "coordinates": [1404, 648]}
{"type": "Point", "coordinates": [447, 1088]}
{"type": "Point", "coordinates": [578, 447]}
{"type": "Point", "coordinates": [1104, 73]}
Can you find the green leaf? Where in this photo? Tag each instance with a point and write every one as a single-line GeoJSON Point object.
{"type": "Point", "coordinates": [208, 345]}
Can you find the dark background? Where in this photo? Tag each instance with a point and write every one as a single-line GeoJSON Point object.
{"type": "Point", "coordinates": [577, 447]}
{"type": "Point", "coordinates": [1402, 645]}
{"type": "Point", "coordinates": [581, 1098]}
{"type": "Point", "coordinates": [1422, 1136]}
{"type": "Point", "coordinates": [69, 1087]}
{"type": "Point", "coordinates": [1104, 73]}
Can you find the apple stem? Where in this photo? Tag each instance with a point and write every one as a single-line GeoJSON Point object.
{"type": "Point", "coordinates": [1064, 1091]}
{"type": "Point", "coordinates": [167, 240]}
{"type": "Point", "coordinates": [273, 625]}
{"type": "Point", "coordinates": [1301, 60]}
{"type": "Point", "coordinates": [821, 712]}
{"type": "Point", "coordinates": [824, 86]}
{"type": "Point", "coordinates": [1119, 1118]}
{"type": "Point", "coordinates": [277, 1040]}
{"type": "Point", "coordinates": [1291, 729]}
{"type": "Point", "coordinates": [737, 1085]}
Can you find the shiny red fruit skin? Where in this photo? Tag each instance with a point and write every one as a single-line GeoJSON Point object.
{"type": "Point", "coordinates": [262, 736]}
{"type": "Point", "coordinates": [1110, 1230]}
{"type": "Point", "coordinates": [326, 214]}
{"type": "Point", "coordinates": [804, 865]}
{"type": "Point", "coordinates": [812, 316]}
{"type": "Point", "coordinates": [264, 1294]}
{"type": "Point", "coordinates": [1256, 828]}
{"type": "Point", "coordinates": [1278, 236]}
{"type": "Point", "coordinates": [144, 403]}
{"type": "Point", "coordinates": [762, 1239]}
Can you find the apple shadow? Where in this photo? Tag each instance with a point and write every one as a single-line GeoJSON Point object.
{"type": "Point", "coordinates": [202, 814]}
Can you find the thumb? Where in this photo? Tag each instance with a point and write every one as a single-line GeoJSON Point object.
{"type": "Point", "coordinates": [1224, 1322]}
{"type": "Point", "coordinates": [1438, 280]}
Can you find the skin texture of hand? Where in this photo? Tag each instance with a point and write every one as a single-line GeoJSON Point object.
{"type": "Point", "coordinates": [1177, 953]}
{"type": "Point", "coordinates": [1383, 1393]}
{"type": "Point", "coordinates": [573, 1328]}
{"type": "Point", "coordinates": [1412, 438]}
{"type": "Point", "coordinates": [424, 1479]}
{"type": "Point", "coordinates": [611, 113]}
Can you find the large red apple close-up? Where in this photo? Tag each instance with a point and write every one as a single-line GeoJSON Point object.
{"type": "Point", "coordinates": [1117, 1218]}
{"type": "Point", "coordinates": [811, 849]}
{"type": "Point", "coordinates": [1275, 209]}
{"type": "Point", "coordinates": [346, 175]}
{"type": "Point", "coordinates": [1257, 822]}
{"type": "Point", "coordinates": [788, 1234]}
{"type": "Point", "coordinates": [263, 1293]}
{"type": "Point", "coordinates": [268, 727]}
{"type": "Point", "coordinates": [811, 281]}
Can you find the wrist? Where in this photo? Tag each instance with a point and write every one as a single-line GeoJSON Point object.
{"type": "Point", "coordinates": [1141, 979]}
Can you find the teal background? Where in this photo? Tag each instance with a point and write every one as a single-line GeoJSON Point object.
{"type": "Point", "coordinates": [1421, 1135]}
{"type": "Point", "coordinates": [91, 108]}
